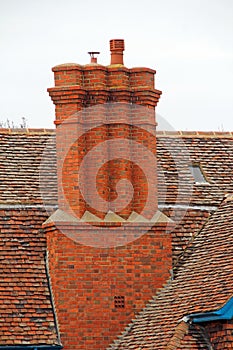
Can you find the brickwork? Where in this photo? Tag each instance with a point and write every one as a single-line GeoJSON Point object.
{"type": "Point", "coordinates": [123, 167]}
{"type": "Point", "coordinates": [85, 281]}
{"type": "Point", "coordinates": [220, 334]}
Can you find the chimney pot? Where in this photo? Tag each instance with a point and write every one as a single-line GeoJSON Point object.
{"type": "Point", "coordinates": [117, 47]}
{"type": "Point", "coordinates": [92, 54]}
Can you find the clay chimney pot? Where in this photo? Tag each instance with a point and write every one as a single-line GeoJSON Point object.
{"type": "Point", "coordinates": [117, 47]}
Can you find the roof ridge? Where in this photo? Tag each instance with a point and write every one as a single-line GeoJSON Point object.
{"type": "Point", "coordinates": [204, 134]}
{"type": "Point", "coordinates": [26, 130]}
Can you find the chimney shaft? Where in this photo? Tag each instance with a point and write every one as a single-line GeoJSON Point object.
{"type": "Point", "coordinates": [79, 87]}
{"type": "Point", "coordinates": [117, 47]}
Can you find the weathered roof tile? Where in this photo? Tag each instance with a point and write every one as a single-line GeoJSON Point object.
{"type": "Point", "coordinates": [26, 313]}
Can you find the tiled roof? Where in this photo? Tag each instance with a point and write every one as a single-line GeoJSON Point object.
{"type": "Point", "coordinates": [19, 176]}
{"type": "Point", "coordinates": [188, 224]}
{"type": "Point", "coordinates": [26, 313]}
{"type": "Point", "coordinates": [203, 282]}
{"type": "Point", "coordinates": [21, 152]}
{"type": "Point", "coordinates": [214, 153]}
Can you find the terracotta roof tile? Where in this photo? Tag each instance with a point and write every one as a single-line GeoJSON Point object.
{"type": "Point", "coordinates": [26, 314]}
{"type": "Point", "coordinates": [176, 184]}
{"type": "Point", "coordinates": [20, 158]}
{"type": "Point", "coordinates": [188, 224]}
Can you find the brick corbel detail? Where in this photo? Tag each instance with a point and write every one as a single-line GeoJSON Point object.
{"type": "Point", "coordinates": [84, 86]}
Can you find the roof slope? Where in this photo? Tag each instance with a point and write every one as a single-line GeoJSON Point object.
{"type": "Point", "coordinates": [26, 314]}
{"type": "Point", "coordinates": [21, 152]}
{"type": "Point", "coordinates": [203, 283]}
{"type": "Point", "coordinates": [212, 151]}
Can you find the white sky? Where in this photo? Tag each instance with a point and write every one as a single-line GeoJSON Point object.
{"type": "Point", "coordinates": [188, 42]}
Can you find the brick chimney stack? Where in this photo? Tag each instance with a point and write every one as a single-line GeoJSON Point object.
{"type": "Point", "coordinates": [98, 288]}
{"type": "Point", "coordinates": [78, 87]}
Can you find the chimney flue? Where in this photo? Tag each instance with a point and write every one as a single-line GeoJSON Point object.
{"type": "Point", "coordinates": [117, 47]}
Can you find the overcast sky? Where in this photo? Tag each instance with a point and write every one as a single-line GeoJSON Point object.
{"type": "Point", "coordinates": [188, 42]}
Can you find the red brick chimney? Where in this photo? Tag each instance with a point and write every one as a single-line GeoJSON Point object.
{"type": "Point", "coordinates": [100, 281]}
